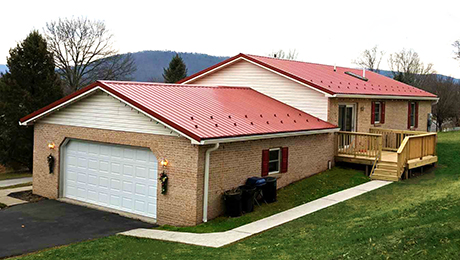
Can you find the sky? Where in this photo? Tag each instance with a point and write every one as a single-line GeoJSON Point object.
{"type": "Point", "coordinates": [327, 32]}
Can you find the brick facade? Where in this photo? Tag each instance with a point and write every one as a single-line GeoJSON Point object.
{"type": "Point", "coordinates": [230, 165]}
{"type": "Point", "coordinates": [178, 207]}
{"type": "Point", "coordinates": [233, 163]}
{"type": "Point", "coordinates": [396, 112]}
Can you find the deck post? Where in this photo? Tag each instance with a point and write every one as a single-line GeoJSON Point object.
{"type": "Point", "coordinates": [406, 172]}
{"type": "Point", "coordinates": [367, 170]}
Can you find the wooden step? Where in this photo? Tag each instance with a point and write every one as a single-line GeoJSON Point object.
{"type": "Point", "coordinates": [386, 166]}
{"type": "Point", "coordinates": [384, 177]}
{"type": "Point", "coordinates": [386, 172]}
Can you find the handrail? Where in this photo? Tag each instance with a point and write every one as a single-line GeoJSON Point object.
{"type": "Point", "coordinates": [392, 139]}
{"type": "Point", "coordinates": [358, 144]}
{"type": "Point", "coordinates": [415, 146]}
{"type": "Point", "coordinates": [373, 166]}
{"type": "Point", "coordinates": [359, 133]}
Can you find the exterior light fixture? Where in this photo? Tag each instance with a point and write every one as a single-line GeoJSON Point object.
{"type": "Point", "coordinates": [51, 145]}
{"type": "Point", "coordinates": [164, 162]}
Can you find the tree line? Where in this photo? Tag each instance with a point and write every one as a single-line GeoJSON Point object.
{"type": "Point", "coordinates": [70, 54]}
{"type": "Point", "coordinates": [407, 67]}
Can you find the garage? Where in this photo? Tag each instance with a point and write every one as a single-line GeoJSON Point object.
{"type": "Point", "coordinates": [113, 176]}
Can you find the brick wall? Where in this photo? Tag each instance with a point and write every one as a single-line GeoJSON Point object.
{"type": "Point", "coordinates": [230, 165]}
{"type": "Point", "coordinates": [395, 113]}
{"type": "Point", "coordinates": [178, 207]}
{"type": "Point", "coordinates": [233, 163]}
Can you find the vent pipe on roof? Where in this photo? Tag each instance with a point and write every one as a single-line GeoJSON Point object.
{"type": "Point", "coordinates": [364, 72]}
{"type": "Point", "coordinates": [335, 68]}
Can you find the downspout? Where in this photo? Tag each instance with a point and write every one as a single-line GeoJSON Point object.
{"type": "Point", "coordinates": [206, 181]}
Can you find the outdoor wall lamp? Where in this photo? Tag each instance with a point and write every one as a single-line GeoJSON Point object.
{"type": "Point", "coordinates": [51, 145]}
{"type": "Point", "coordinates": [164, 163]}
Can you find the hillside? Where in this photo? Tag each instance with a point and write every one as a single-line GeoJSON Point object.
{"type": "Point", "coordinates": [150, 64]}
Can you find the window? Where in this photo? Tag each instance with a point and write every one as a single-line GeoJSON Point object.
{"type": "Point", "coordinates": [377, 112]}
{"type": "Point", "coordinates": [274, 160]}
{"type": "Point", "coordinates": [413, 110]}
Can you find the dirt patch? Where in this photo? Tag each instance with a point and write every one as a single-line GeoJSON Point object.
{"type": "Point", "coordinates": [27, 196]}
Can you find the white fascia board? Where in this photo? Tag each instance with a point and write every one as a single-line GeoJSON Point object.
{"type": "Point", "coordinates": [267, 136]}
{"type": "Point", "coordinates": [383, 97]}
{"type": "Point", "coordinates": [25, 123]}
{"type": "Point", "coordinates": [259, 65]}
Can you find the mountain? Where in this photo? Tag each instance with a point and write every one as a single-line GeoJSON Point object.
{"type": "Point", "coordinates": [3, 68]}
{"type": "Point", "coordinates": [150, 64]}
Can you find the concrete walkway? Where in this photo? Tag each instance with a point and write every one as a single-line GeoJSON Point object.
{"type": "Point", "coordinates": [10, 201]}
{"type": "Point", "coordinates": [219, 239]}
{"type": "Point", "coordinates": [11, 182]}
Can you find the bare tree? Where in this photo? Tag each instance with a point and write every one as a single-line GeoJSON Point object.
{"type": "Point", "coordinates": [456, 45]}
{"type": "Point", "coordinates": [448, 92]}
{"type": "Point", "coordinates": [370, 59]}
{"type": "Point", "coordinates": [407, 67]}
{"type": "Point", "coordinates": [83, 51]}
{"type": "Point", "coordinates": [290, 55]}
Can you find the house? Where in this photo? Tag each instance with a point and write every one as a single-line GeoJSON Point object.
{"type": "Point", "coordinates": [353, 99]}
{"type": "Point", "coordinates": [374, 113]}
{"type": "Point", "coordinates": [107, 145]}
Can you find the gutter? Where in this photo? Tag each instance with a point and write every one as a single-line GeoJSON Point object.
{"type": "Point", "coordinates": [384, 97]}
{"type": "Point", "coordinates": [264, 136]}
{"type": "Point", "coordinates": [206, 181]}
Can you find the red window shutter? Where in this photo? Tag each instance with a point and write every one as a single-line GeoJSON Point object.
{"type": "Point", "coordinates": [265, 160]}
{"type": "Point", "coordinates": [373, 113]}
{"type": "Point", "coordinates": [408, 116]}
{"type": "Point", "coordinates": [284, 159]}
{"type": "Point", "coordinates": [416, 114]}
{"type": "Point", "coordinates": [382, 114]}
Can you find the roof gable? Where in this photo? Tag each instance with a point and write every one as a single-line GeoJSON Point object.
{"type": "Point", "coordinates": [102, 111]}
{"type": "Point", "coordinates": [325, 78]}
{"type": "Point", "coordinates": [201, 113]}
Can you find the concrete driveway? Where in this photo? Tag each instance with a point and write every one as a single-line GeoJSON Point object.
{"type": "Point", "coordinates": [35, 226]}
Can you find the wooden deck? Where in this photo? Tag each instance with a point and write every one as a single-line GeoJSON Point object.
{"type": "Point", "coordinates": [391, 154]}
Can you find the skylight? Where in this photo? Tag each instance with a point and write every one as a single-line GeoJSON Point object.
{"type": "Point", "coordinates": [356, 75]}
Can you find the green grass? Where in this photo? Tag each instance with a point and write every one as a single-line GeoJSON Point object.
{"type": "Point", "coordinates": [293, 195]}
{"type": "Point", "coordinates": [2, 205]}
{"type": "Point", "coordinates": [14, 175]}
{"type": "Point", "coordinates": [414, 219]}
{"type": "Point", "coordinates": [16, 186]}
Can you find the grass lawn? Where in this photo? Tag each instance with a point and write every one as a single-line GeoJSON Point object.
{"type": "Point", "coordinates": [7, 176]}
{"type": "Point", "coordinates": [293, 195]}
{"type": "Point", "coordinates": [16, 186]}
{"type": "Point", "coordinates": [414, 219]}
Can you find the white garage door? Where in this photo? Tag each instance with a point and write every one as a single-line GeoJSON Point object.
{"type": "Point", "coordinates": [113, 176]}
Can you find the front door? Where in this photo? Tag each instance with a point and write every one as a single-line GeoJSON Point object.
{"type": "Point", "coordinates": [347, 118]}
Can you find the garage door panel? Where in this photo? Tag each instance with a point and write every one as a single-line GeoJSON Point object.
{"type": "Point", "coordinates": [119, 177]}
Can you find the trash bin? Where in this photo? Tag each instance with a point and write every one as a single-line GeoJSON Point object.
{"type": "Point", "coordinates": [269, 190]}
{"type": "Point", "coordinates": [233, 202]}
{"type": "Point", "coordinates": [259, 184]}
{"type": "Point", "coordinates": [247, 198]}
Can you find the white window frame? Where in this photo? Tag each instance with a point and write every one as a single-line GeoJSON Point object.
{"type": "Point", "coordinates": [379, 113]}
{"type": "Point", "coordinates": [413, 106]}
{"type": "Point", "coordinates": [278, 160]}
{"type": "Point", "coordinates": [354, 122]}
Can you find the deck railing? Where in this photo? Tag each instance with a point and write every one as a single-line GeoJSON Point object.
{"type": "Point", "coordinates": [359, 144]}
{"type": "Point", "coordinates": [392, 139]}
{"type": "Point", "coordinates": [415, 146]}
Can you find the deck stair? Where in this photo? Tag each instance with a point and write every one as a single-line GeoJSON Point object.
{"type": "Point", "coordinates": [387, 171]}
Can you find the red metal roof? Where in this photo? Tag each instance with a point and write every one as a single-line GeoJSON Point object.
{"type": "Point", "coordinates": [206, 112]}
{"type": "Point", "coordinates": [324, 78]}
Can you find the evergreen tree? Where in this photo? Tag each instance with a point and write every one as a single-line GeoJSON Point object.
{"type": "Point", "coordinates": [175, 71]}
{"type": "Point", "coordinates": [30, 84]}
